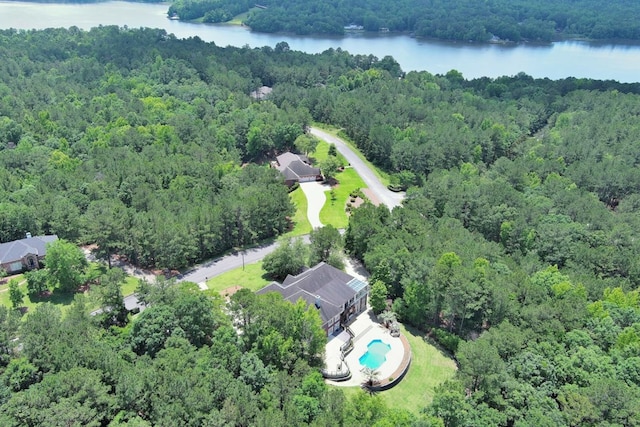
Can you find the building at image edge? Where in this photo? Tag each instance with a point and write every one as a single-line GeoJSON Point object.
{"type": "Point", "coordinates": [24, 254]}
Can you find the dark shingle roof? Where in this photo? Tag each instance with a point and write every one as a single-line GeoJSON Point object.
{"type": "Point", "coordinates": [285, 158]}
{"type": "Point", "coordinates": [16, 250]}
{"type": "Point", "coordinates": [321, 284]}
{"type": "Point", "coordinates": [293, 167]}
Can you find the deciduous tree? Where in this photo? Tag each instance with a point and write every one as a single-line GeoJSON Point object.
{"type": "Point", "coordinates": [378, 297]}
{"type": "Point", "coordinates": [65, 264]}
{"type": "Point", "coordinates": [325, 241]}
{"type": "Point", "coordinates": [37, 282]}
{"type": "Point", "coordinates": [329, 167]}
{"type": "Point", "coordinates": [289, 258]}
{"type": "Point", "coordinates": [15, 293]}
{"type": "Point", "coordinates": [306, 143]}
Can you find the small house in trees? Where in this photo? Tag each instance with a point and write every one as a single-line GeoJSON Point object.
{"type": "Point", "coordinates": [336, 295]}
{"type": "Point", "coordinates": [24, 254]}
{"type": "Point", "coordinates": [296, 168]}
{"type": "Point", "coordinates": [261, 93]}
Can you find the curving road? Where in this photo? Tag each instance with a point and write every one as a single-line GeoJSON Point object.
{"type": "Point", "coordinates": [389, 198]}
{"type": "Point", "coordinates": [226, 263]}
{"type": "Point", "coordinates": [201, 273]}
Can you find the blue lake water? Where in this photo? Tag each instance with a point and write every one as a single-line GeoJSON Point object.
{"type": "Point", "coordinates": [614, 61]}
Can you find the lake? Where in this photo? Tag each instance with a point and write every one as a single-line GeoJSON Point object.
{"type": "Point", "coordinates": [556, 60]}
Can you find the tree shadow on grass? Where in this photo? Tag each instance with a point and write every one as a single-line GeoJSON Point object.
{"type": "Point", "coordinates": [411, 330]}
{"type": "Point", "coordinates": [56, 297]}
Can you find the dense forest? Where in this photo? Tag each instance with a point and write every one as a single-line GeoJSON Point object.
{"type": "Point", "coordinates": [516, 250]}
{"type": "Point", "coordinates": [142, 156]}
{"type": "Point", "coordinates": [513, 20]}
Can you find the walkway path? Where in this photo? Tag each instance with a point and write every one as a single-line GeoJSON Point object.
{"type": "Point", "coordinates": [314, 191]}
{"type": "Point", "coordinates": [389, 198]}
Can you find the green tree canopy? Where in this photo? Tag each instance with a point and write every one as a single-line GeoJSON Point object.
{"type": "Point", "coordinates": [65, 265]}
{"type": "Point", "coordinates": [289, 258]}
{"type": "Point", "coordinates": [378, 296]}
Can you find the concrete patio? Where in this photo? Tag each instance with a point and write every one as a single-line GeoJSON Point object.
{"type": "Point", "coordinates": [365, 328]}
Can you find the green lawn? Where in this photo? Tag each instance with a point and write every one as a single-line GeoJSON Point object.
{"type": "Point", "coordinates": [4, 293]}
{"type": "Point", "coordinates": [333, 211]}
{"type": "Point", "coordinates": [252, 277]}
{"type": "Point", "coordinates": [322, 152]}
{"type": "Point", "coordinates": [382, 175]}
{"type": "Point", "coordinates": [63, 299]}
{"type": "Point", "coordinates": [4, 282]}
{"type": "Point", "coordinates": [130, 285]}
{"type": "Point", "coordinates": [239, 19]}
{"type": "Point", "coordinates": [300, 220]}
{"type": "Point", "coordinates": [429, 368]}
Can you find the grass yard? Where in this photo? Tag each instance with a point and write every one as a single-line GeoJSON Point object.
{"type": "Point", "coordinates": [300, 220]}
{"type": "Point", "coordinates": [322, 152]}
{"type": "Point", "coordinates": [429, 368]}
{"type": "Point", "coordinates": [4, 293]}
{"type": "Point", "coordinates": [333, 210]}
{"type": "Point", "coordinates": [252, 277]}
{"type": "Point", "coordinates": [130, 285]}
{"type": "Point", "coordinates": [63, 299]}
{"type": "Point", "coordinates": [239, 19]}
{"type": "Point", "coordinates": [382, 176]}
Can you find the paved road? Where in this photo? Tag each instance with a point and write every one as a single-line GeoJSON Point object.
{"type": "Point", "coordinates": [389, 198]}
{"type": "Point", "coordinates": [201, 273]}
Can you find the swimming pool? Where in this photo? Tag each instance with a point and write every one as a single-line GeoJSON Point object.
{"type": "Point", "coordinates": [375, 355]}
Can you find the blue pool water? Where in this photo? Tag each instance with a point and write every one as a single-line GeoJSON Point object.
{"type": "Point", "coordinates": [375, 355]}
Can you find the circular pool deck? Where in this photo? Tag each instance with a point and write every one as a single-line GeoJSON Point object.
{"type": "Point", "coordinates": [366, 329]}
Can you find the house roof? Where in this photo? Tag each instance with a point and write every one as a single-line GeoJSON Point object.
{"type": "Point", "coordinates": [293, 166]}
{"type": "Point", "coordinates": [285, 158]}
{"type": "Point", "coordinates": [323, 285]}
{"type": "Point", "coordinates": [261, 93]}
{"type": "Point", "coordinates": [18, 249]}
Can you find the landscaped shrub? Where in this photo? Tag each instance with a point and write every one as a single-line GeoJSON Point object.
{"type": "Point", "coordinates": [294, 187]}
{"type": "Point", "coordinates": [448, 341]}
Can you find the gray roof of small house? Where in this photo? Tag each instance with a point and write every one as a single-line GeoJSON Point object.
{"type": "Point", "coordinates": [285, 158]}
{"type": "Point", "coordinates": [18, 249]}
{"type": "Point", "coordinates": [261, 92]}
{"type": "Point", "coordinates": [293, 167]}
{"type": "Point", "coordinates": [323, 283]}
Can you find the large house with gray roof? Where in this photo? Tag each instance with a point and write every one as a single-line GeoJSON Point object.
{"type": "Point", "coordinates": [24, 254]}
{"type": "Point", "coordinates": [296, 168]}
{"type": "Point", "coordinates": [338, 296]}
